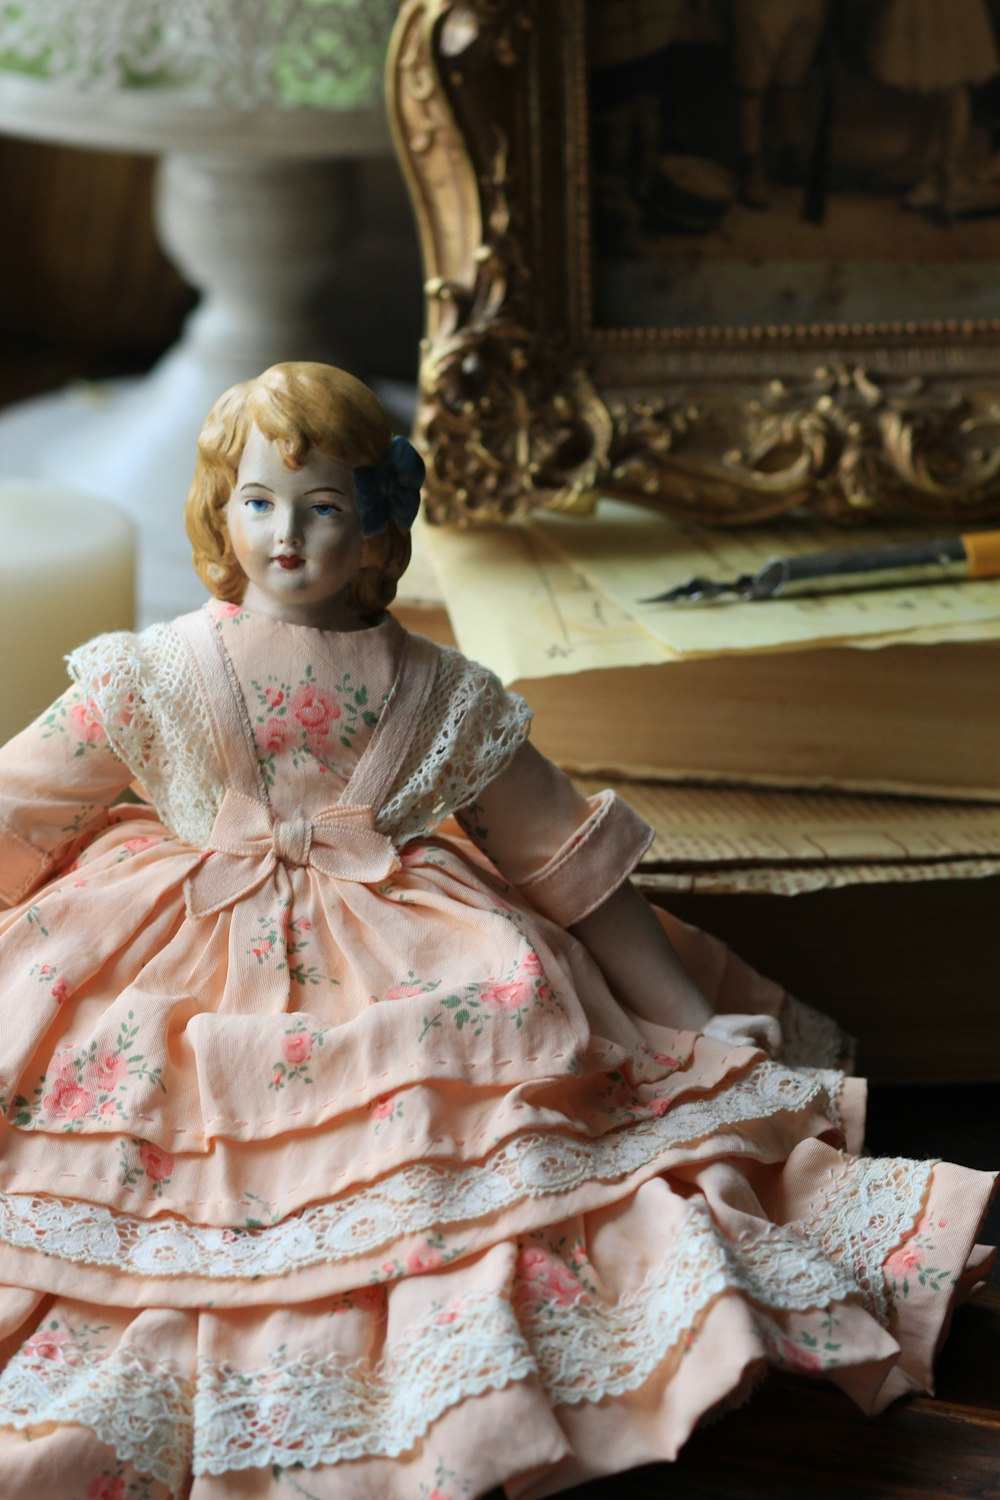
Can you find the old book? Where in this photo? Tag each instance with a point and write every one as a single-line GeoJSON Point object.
{"type": "Point", "coordinates": [920, 719]}
{"type": "Point", "coordinates": [916, 719]}
{"type": "Point", "coordinates": [761, 694]}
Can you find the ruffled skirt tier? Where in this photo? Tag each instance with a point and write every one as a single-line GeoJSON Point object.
{"type": "Point", "coordinates": [601, 1340]}
{"type": "Point", "coordinates": [417, 1186]}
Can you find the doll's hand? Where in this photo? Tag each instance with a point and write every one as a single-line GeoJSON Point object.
{"type": "Point", "coordinates": [746, 1031]}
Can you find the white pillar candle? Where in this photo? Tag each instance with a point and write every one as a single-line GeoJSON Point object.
{"type": "Point", "coordinates": [67, 572]}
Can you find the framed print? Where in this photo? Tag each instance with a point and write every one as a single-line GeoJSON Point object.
{"type": "Point", "coordinates": [727, 257]}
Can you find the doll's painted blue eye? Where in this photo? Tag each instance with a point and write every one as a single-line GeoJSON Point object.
{"type": "Point", "coordinates": [258, 504]}
{"type": "Point", "coordinates": [326, 510]}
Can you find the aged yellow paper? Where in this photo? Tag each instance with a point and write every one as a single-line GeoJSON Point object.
{"type": "Point", "coordinates": [555, 596]}
{"type": "Point", "coordinates": [632, 553]}
{"type": "Point", "coordinates": [516, 605]}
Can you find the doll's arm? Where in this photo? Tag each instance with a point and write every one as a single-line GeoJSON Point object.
{"type": "Point", "coordinates": [637, 958]}
{"type": "Point", "coordinates": [571, 856]}
{"type": "Point", "coordinates": [641, 966]}
{"type": "Point", "coordinates": [57, 778]}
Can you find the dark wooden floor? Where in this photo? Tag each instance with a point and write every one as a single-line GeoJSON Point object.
{"type": "Point", "coordinates": [802, 1440]}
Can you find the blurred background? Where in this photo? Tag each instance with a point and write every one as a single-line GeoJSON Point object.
{"type": "Point", "coordinates": [89, 293]}
{"type": "Point", "coordinates": [192, 190]}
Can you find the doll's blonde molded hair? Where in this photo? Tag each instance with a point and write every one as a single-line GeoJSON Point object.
{"type": "Point", "coordinates": [298, 406]}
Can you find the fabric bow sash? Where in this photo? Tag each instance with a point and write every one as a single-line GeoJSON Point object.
{"type": "Point", "coordinates": [247, 844]}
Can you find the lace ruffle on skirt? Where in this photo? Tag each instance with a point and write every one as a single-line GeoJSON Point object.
{"type": "Point", "coordinates": [523, 1312]}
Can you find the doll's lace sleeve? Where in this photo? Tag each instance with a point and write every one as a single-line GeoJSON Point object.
{"type": "Point", "coordinates": [148, 698]}
{"type": "Point", "coordinates": [469, 733]}
{"type": "Point", "coordinates": [566, 853]}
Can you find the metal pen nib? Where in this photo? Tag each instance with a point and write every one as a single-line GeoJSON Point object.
{"type": "Point", "coordinates": [976, 555]}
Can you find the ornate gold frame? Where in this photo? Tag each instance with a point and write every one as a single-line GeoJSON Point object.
{"type": "Point", "coordinates": [524, 403]}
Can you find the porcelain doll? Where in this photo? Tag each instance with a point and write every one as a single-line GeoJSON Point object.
{"type": "Point", "coordinates": [340, 1146]}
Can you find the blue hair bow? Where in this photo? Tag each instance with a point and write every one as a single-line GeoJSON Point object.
{"type": "Point", "coordinates": [390, 491]}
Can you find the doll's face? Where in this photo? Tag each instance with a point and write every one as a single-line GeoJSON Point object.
{"type": "Point", "coordinates": [296, 533]}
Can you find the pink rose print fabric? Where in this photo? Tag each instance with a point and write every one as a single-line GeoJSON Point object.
{"type": "Point", "coordinates": [344, 1183]}
{"type": "Point", "coordinates": [307, 723]}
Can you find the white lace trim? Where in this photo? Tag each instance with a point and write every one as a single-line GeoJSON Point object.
{"type": "Point", "coordinates": [316, 1411]}
{"type": "Point", "coordinates": [874, 1206]}
{"type": "Point", "coordinates": [322, 1410]}
{"type": "Point", "coordinates": [299, 52]}
{"type": "Point", "coordinates": [810, 1039]}
{"type": "Point", "coordinates": [592, 1349]}
{"type": "Point", "coordinates": [413, 1201]}
{"type": "Point", "coordinates": [831, 1081]}
{"type": "Point", "coordinates": [470, 729]}
{"type": "Point", "coordinates": [147, 694]}
{"type": "Point", "coordinates": [307, 1409]}
{"type": "Point", "coordinates": [140, 1407]}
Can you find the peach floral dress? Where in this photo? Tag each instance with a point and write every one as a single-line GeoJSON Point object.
{"type": "Point", "coordinates": [330, 1161]}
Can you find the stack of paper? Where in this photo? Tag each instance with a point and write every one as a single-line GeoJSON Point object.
{"type": "Point", "coordinates": [558, 594]}
{"type": "Point", "coordinates": [736, 839]}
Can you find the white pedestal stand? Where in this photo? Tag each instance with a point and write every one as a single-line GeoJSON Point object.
{"type": "Point", "coordinates": [253, 209]}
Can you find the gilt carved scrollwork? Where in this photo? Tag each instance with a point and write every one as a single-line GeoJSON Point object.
{"type": "Point", "coordinates": [846, 443]}
{"type": "Point", "coordinates": [507, 418]}
{"type": "Point", "coordinates": [523, 404]}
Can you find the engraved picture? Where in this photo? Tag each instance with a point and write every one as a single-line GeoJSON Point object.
{"type": "Point", "coordinates": [793, 162]}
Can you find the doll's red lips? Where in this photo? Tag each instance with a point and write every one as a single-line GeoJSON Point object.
{"type": "Point", "coordinates": [289, 560]}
